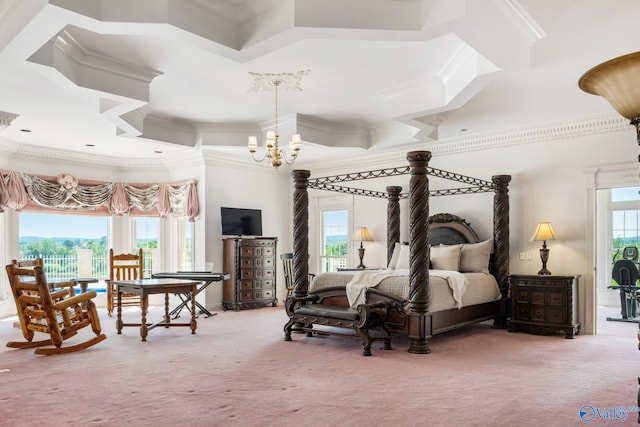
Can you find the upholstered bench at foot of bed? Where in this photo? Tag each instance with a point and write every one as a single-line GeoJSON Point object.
{"type": "Point", "coordinates": [360, 319]}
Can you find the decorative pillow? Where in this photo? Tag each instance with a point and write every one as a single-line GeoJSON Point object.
{"type": "Point", "coordinates": [403, 258]}
{"type": "Point", "coordinates": [446, 257]}
{"type": "Point", "coordinates": [394, 257]}
{"type": "Point", "coordinates": [474, 257]}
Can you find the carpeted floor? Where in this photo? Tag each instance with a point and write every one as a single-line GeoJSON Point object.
{"type": "Point", "coordinates": [238, 371]}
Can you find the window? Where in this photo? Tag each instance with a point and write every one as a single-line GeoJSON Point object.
{"type": "Point", "coordinates": [185, 244]}
{"type": "Point", "coordinates": [71, 245]}
{"type": "Point", "coordinates": [334, 240]}
{"type": "Point", "coordinates": [147, 239]}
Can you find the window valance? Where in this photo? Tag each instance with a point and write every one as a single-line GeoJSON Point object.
{"type": "Point", "coordinates": [21, 191]}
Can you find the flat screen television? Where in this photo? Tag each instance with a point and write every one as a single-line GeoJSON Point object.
{"type": "Point", "coordinates": [241, 222]}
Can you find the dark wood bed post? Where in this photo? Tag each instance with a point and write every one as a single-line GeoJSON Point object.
{"type": "Point", "coordinates": [419, 330]}
{"type": "Point", "coordinates": [300, 233]}
{"type": "Point", "coordinates": [393, 219]}
{"type": "Point", "coordinates": [501, 243]}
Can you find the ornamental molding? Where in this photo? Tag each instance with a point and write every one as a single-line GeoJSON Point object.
{"type": "Point", "coordinates": [597, 124]}
{"type": "Point", "coordinates": [6, 118]}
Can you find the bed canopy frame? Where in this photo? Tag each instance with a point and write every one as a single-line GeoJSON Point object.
{"type": "Point", "coordinates": [419, 218]}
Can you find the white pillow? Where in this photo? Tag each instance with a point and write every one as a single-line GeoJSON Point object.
{"type": "Point", "coordinates": [446, 257]}
{"type": "Point", "coordinates": [403, 258]}
{"type": "Point", "coordinates": [394, 257]}
{"type": "Point", "coordinates": [474, 257]}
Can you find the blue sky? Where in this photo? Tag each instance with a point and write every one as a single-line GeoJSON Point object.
{"type": "Point", "coordinates": [79, 226]}
{"type": "Point", "coordinates": [46, 225]}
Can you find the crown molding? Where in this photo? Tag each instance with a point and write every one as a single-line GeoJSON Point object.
{"type": "Point", "coordinates": [6, 118]}
{"type": "Point", "coordinates": [33, 153]}
{"type": "Point", "coordinates": [517, 18]}
{"type": "Point", "coordinates": [596, 124]}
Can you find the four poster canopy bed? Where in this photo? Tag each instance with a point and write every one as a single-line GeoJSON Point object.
{"type": "Point", "coordinates": [445, 278]}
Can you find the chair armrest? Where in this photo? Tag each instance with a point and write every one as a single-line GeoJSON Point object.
{"type": "Point", "coordinates": [59, 294]}
{"type": "Point", "coordinates": [372, 314]}
{"type": "Point", "coordinates": [77, 299]}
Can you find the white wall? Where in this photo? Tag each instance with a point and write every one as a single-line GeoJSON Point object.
{"type": "Point", "coordinates": [255, 187]}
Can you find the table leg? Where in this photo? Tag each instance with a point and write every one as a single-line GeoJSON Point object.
{"type": "Point", "coordinates": [167, 318]}
{"type": "Point", "coordinates": [119, 320]}
{"type": "Point", "coordinates": [193, 310]}
{"type": "Point", "coordinates": [143, 325]}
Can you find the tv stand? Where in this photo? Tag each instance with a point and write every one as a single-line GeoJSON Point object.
{"type": "Point", "coordinates": [251, 263]}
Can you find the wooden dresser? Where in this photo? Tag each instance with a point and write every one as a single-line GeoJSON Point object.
{"type": "Point", "coordinates": [251, 263]}
{"type": "Point", "coordinates": [544, 304]}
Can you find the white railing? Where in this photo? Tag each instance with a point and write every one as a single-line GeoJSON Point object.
{"type": "Point", "coordinates": [68, 267]}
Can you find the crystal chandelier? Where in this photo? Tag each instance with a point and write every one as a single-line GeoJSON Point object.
{"type": "Point", "coordinates": [273, 152]}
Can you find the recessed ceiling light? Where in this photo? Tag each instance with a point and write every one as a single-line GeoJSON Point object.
{"type": "Point", "coordinates": [25, 130]}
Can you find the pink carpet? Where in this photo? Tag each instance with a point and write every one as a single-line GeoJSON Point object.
{"type": "Point", "coordinates": [238, 371]}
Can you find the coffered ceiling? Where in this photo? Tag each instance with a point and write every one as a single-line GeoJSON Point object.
{"type": "Point", "coordinates": [167, 79]}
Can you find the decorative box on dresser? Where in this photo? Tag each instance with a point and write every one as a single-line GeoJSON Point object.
{"type": "Point", "coordinates": [251, 263]}
{"type": "Point", "coordinates": [544, 304]}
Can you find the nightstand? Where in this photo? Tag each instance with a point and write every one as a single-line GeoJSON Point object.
{"type": "Point", "coordinates": [544, 304]}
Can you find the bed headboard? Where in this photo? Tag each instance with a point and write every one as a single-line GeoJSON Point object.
{"type": "Point", "coordinates": [449, 229]}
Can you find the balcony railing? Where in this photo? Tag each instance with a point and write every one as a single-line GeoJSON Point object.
{"type": "Point", "coordinates": [83, 264]}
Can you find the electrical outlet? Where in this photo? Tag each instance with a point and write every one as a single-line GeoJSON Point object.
{"type": "Point", "coordinates": [525, 256]}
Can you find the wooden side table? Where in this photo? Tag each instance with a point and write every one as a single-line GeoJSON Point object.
{"type": "Point", "coordinates": [544, 304]}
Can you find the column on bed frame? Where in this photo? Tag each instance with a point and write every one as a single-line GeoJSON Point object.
{"type": "Point", "coordinates": [501, 231]}
{"type": "Point", "coordinates": [501, 244]}
{"type": "Point", "coordinates": [419, 329]}
{"type": "Point", "coordinates": [300, 232]}
{"type": "Point", "coordinates": [393, 219]}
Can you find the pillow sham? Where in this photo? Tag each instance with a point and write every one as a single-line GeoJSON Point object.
{"type": "Point", "coordinates": [474, 257]}
{"type": "Point", "coordinates": [446, 257]}
{"type": "Point", "coordinates": [394, 257]}
{"type": "Point", "coordinates": [403, 258]}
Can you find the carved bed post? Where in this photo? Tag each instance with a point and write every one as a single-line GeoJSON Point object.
{"type": "Point", "coordinates": [393, 219]}
{"type": "Point", "coordinates": [501, 243]}
{"type": "Point", "coordinates": [300, 233]}
{"type": "Point", "coordinates": [419, 329]}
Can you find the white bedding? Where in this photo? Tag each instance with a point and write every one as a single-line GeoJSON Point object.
{"type": "Point", "coordinates": [480, 288]}
{"type": "Point", "coordinates": [362, 280]}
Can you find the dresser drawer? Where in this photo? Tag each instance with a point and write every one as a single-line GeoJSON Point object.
{"type": "Point", "coordinates": [254, 262]}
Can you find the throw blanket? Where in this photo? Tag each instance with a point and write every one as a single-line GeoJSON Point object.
{"type": "Point", "coordinates": [357, 286]}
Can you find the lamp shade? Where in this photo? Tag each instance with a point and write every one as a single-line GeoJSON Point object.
{"type": "Point", "coordinates": [617, 81]}
{"type": "Point", "coordinates": [544, 231]}
{"type": "Point", "coordinates": [362, 235]}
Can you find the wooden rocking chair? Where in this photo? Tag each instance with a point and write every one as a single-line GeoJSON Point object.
{"type": "Point", "coordinates": [59, 313]}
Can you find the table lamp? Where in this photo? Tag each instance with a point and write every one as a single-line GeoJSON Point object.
{"type": "Point", "coordinates": [361, 235]}
{"type": "Point", "coordinates": [544, 232]}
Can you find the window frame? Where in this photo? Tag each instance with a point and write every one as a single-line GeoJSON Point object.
{"type": "Point", "coordinates": [339, 203]}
